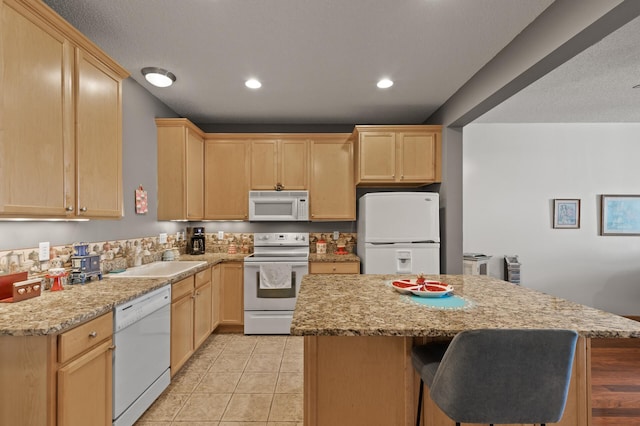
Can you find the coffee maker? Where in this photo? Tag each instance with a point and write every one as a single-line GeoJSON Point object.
{"type": "Point", "coordinates": [195, 240]}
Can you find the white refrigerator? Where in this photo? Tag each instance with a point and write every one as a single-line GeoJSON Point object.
{"type": "Point", "coordinates": [399, 233]}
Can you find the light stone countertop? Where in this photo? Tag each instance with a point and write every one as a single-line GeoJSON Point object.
{"type": "Point", "coordinates": [56, 312]}
{"type": "Point", "coordinates": [366, 305]}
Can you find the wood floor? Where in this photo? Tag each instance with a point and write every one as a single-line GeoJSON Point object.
{"type": "Point", "coordinates": [615, 377]}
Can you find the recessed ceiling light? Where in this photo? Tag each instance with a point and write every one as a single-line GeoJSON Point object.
{"type": "Point", "coordinates": [158, 77]}
{"type": "Point", "coordinates": [252, 83]}
{"type": "Point", "coordinates": [385, 83]}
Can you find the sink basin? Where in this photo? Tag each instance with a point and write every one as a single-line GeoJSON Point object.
{"type": "Point", "coordinates": [167, 269]}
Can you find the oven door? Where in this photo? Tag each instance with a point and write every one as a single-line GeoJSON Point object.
{"type": "Point", "coordinates": [260, 295]}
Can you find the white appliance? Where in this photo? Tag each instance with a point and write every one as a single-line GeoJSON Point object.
{"type": "Point", "coordinates": [278, 206]}
{"type": "Point", "coordinates": [142, 355]}
{"type": "Point", "coordinates": [399, 233]}
{"type": "Point", "coordinates": [272, 276]}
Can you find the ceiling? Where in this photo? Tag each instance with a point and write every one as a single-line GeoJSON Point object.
{"type": "Point", "coordinates": [319, 60]}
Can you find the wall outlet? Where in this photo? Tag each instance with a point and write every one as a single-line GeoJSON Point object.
{"type": "Point", "coordinates": [220, 235]}
{"type": "Point", "coordinates": [336, 235]}
{"type": "Point", "coordinates": [43, 251]}
{"type": "Point", "coordinates": [162, 238]}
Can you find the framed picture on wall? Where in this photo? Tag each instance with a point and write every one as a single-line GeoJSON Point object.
{"type": "Point", "coordinates": [620, 215]}
{"type": "Point", "coordinates": [566, 213]}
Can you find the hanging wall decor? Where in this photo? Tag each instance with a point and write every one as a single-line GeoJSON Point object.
{"type": "Point", "coordinates": [141, 200]}
{"type": "Point", "coordinates": [620, 215]}
{"type": "Point", "coordinates": [566, 213]}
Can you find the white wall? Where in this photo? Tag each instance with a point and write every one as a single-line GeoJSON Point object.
{"type": "Point", "coordinates": [512, 173]}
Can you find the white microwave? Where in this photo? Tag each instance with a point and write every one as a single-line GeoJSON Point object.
{"type": "Point", "coordinates": [278, 206]}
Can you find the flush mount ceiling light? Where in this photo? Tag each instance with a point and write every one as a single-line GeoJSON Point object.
{"type": "Point", "coordinates": [158, 77]}
{"type": "Point", "coordinates": [252, 83]}
{"type": "Point", "coordinates": [385, 83]}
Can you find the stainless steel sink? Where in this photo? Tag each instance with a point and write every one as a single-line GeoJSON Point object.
{"type": "Point", "coordinates": [166, 269]}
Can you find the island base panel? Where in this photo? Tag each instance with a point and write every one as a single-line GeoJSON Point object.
{"type": "Point", "coordinates": [370, 380]}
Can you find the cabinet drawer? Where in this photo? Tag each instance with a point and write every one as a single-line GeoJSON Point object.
{"type": "Point", "coordinates": [84, 337]}
{"type": "Point", "coordinates": [181, 288]}
{"type": "Point", "coordinates": [203, 277]}
{"type": "Point", "coordinates": [334, 268]}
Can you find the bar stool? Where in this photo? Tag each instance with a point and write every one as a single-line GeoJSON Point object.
{"type": "Point", "coordinates": [498, 376]}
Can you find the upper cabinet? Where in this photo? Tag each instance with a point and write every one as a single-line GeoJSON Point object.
{"type": "Point", "coordinates": [180, 170]}
{"type": "Point", "coordinates": [226, 178]}
{"type": "Point", "coordinates": [332, 192]}
{"type": "Point", "coordinates": [280, 164]}
{"type": "Point", "coordinates": [397, 155]}
{"type": "Point", "coordinates": [60, 119]}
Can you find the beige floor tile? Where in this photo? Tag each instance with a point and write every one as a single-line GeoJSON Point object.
{"type": "Point", "coordinates": [292, 364]}
{"type": "Point", "coordinates": [185, 381]}
{"type": "Point", "coordinates": [208, 354]}
{"type": "Point", "coordinates": [248, 407]}
{"type": "Point", "coordinates": [204, 407]}
{"type": "Point", "coordinates": [143, 423]}
{"type": "Point", "coordinates": [290, 383]}
{"type": "Point", "coordinates": [230, 362]}
{"type": "Point", "coordinates": [189, 423]}
{"type": "Point", "coordinates": [270, 346]}
{"type": "Point", "coordinates": [286, 407]}
{"type": "Point", "coordinates": [253, 382]}
{"type": "Point", "coordinates": [219, 382]}
{"type": "Point", "coordinates": [243, 424]}
{"type": "Point", "coordinates": [239, 346]}
{"type": "Point", "coordinates": [284, 424]}
{"type": "Point", "coordinates": [264, 362]}
{"type": "Point", "coordinates": [165, 408]}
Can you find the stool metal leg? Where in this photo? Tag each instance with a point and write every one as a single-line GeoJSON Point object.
{"type": "Point", "coordinates": [420, 402]}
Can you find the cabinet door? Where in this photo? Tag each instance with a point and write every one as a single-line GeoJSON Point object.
{"type": "Point", "coordinates": [202, 314]}
{"type": "Point", "coordinates": [334, 267]}
{"type": "Point", "coordinates": [293, 158]}
{"type": "Point", "coordinates": [232, 293]}
{"type": "Point", "coordinates": [181, 332]}
{"type": "Point", "coordinates": [98, 138]}
{"type": "Point", "coordinates": [264, 164]}
{"type": "Point", "coordinates": [226, 182]}
{"type": "Point", "coordinates": [195, 176]}
{"type": "Point", "coordinates": [215, 296]}
{"type": "Point", "coordinates": [377, 156]}
{"type": "Point", "coordinates": [84, 388]}
{"type": "Point", "coordinates": [37, 123]}
{"type": "Point", "coordinates": [417, 157]}
{"type": "Point", "coordinates": [332, 190]}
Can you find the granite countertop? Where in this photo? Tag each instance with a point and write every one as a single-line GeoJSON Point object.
{"type": "Point", "coordinates": [314, 257]}
{"type": "Point", "coordinates": [365, 305]}
{"type": "Point", "coordinates": [56, 312]}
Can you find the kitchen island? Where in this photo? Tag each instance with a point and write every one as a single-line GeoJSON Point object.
{"type": "Point", "coordinates": [359, 333]}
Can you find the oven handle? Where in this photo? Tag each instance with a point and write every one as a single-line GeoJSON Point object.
{"type": "Point", "coordinates": [276, 293]}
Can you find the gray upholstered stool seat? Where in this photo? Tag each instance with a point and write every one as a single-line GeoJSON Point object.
{"type": "Point", "coordinates": [498, 376]}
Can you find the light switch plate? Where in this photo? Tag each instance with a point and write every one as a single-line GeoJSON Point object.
{"type": "Point", "coordinates": [220, 235]}
{"type": "Point", "coordinates": [336, 235]}
{"type": "Point", "coordinates": [43, 251]}
{"type": "Point", "coordinates": [162, 238]}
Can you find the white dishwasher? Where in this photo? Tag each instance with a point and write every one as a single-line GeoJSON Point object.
{"type": "Point", "coordinates": [141, 358]}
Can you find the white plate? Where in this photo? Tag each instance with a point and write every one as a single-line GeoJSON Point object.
{"type": "Point", "coordinates": [445, 289]}
{"type": "Point", "coordinates": [400, 287]}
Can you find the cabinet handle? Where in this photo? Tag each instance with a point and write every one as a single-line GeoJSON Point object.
{"type": "Point", "coordinates": [83, 209]}
{"type": "Point", "coordinates": [69, 208]}
{"type": "Point", "coordinates": [112, 347]}
{"type": "Point", "coordinates": [93, 334]}
{"type": "Point", "coordinates": [393, 176]}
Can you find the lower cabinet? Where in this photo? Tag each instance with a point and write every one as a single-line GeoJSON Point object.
{"type": "Point", "coordinates": [334, 267]}
{"type": "Point", "coordinates": [61, 380]}
{"type": "Point", "coordinates": [191, 306]}
{"type": "Point", "coordinates": [216, 279]}
{"type": "Point", "coordinates": [232, 295]}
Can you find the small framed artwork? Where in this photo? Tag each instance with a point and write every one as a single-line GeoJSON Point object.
{"type": "Point", "coordinates": [566, 213]}
{"type": "Point", "coordinates": [620, 215]}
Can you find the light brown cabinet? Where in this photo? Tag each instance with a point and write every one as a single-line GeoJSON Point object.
{"type": "Point", "coordinates": [180, 170]}
{"type": "Point", "coordinates": [332, 192]}
{"type": "Point", "coordinates": [232, 294]}
{"type": "Point", "coordinates": [215, 296]}
{"type": "Point", "coordinates": [334, 267]}
{"type": "Point", "coordinates": [226, 178]}
{"type": "Point", "coordinates": [64, 379]}
{"type": "Point", "coordinates": [397, 155]}
{"type": "Point", "coordinates": [74, 149]}
{"type": "Point", "coordinates": [279, 164]}
{"type": "Point", "coordinates": [191, 304]}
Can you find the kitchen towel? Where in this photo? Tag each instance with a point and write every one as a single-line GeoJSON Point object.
{"type": "Point", "coordinates": [275, 276]}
